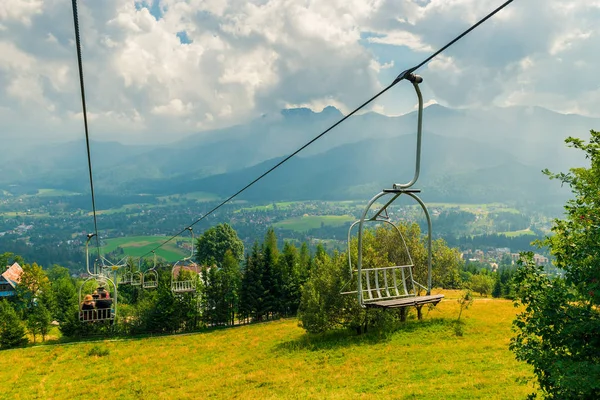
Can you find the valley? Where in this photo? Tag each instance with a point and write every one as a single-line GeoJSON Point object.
{"type": "Point", "coordinates": [50, 227]}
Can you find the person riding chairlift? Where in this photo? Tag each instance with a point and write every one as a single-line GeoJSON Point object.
{"type": "Point", "coordinates": [104, 304]}
{"type": "Point", "coordinates": [87, 307]}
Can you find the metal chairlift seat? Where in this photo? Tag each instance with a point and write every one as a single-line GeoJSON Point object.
{"type": "Point", "coordinates": [394, 286]}
{"type": "Point", "coordinates": [105, 310]}
{"type": "Point", "coordinates": [136, 278]}
{"type": "Point", "coordinates": [126, 278]}
{"type": "Point", "coordinates": [150, 279]}
{"type": "Point", "coordinates": [187, 285]}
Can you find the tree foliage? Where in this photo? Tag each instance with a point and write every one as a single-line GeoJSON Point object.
{"type": "Point", "coordinates": [212, 245]}
{"type": "Point", "coordinates": [12, 332]}
{"type": "Point", "coordinates": [7, 259]}
{"type": "Point", "coordinates": [559, 331]}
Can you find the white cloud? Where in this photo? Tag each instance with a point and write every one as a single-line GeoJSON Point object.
{"type": "Point", "coordinates": [20, 10]}
{"type": "Point", "coordinates": [174, 108]}
{"type": "Point", "coordinates": [245, 58]}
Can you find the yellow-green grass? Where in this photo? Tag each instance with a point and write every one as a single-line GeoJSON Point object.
{"type": "Point", "coordinates": [137, 246]}
{"type": "Point", "coordinates": [278, 360]}
{"type": "Point", "coordinates": [304, 223]}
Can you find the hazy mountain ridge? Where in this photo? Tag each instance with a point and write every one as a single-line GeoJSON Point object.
{"type": "Point", "coordinates": [367, 151]}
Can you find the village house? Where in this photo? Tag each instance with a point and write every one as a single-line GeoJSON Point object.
{"type": "Point", "coordinates": [9, 280]}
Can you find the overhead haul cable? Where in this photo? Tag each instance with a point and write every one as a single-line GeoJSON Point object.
{"type": "Point", "coordinates": [85, 121]}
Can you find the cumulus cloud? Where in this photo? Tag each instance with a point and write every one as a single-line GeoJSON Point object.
{"type": "Point", "coordinates": [239, 60]}
{"type": "Point", "coordinates": [522, 56]}
{"type": "Point", "coordinates": [157, 70]}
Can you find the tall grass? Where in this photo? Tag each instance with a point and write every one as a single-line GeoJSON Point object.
{"type": "Point", "coordinates": [278, 360]}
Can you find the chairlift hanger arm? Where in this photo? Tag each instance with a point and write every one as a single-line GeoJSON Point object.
{"type": "Point", "coordinates": [415, 80]}
{"type": "Point", "coordinates": [87, 252]}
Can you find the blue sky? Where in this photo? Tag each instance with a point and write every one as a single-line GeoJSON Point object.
{"type": "Point", "coordinates": [159, 71]}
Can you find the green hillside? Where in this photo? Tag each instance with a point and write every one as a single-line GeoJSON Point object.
{"type": "Point", "coordinates": [277, 360]}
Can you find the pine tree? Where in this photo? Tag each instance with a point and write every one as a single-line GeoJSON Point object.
{"type": "Point", "coordinates": [305, 263]}
{"type": "Point", "coordinates": [252, 287]}
{"type": "Point", "coordinates": [289, 266]}
{"type": "Point", "coordinates": [12, 333]}
{"type": "Point", "coordinates": [232, 280]}
{"type": "Point", "coordinates": [269, 281]}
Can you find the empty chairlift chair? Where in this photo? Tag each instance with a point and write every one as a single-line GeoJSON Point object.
{"type": "Point", "coordinates": [150, 279]}
{"type": "Point", "coordinates": [137, 278]}
{"type": "Point", "coordinates": [189, 284]}
{"type": "Point", "coordinates": [393, 286]}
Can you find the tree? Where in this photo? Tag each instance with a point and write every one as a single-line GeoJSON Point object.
{"type": "Point", "coordinates": [38, 322]}
{"type": "Point", "coordinates": [12, 333]}
{"type": "Point", "coordinates": [289, 266]}
{"type": "Point", "coordinates": [57, 272]}
{"type": "Point", "coordinates": [232, 281]}
{"type": "Point", "coordinates": [558, 333]}
{"type": "Point", "coordinates": [322, 308]}
{"type": "Point", "coordinates": [481, 283]}
{"type": "Point", "coordinates": [212, 245]}
{"type": "Point", "coordinates": [65, 296]}
{"type": "Point", "coordinates": [7, 259]}
{"type": "Point", "coordinates": [34, 286]}
{"type": "Point", "coordinates": [270, 282]}
{"type": "Point", "coordinates": [252, 288]}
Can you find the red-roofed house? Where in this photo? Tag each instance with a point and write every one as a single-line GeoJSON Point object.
{"type": "Point", "coordinates": [191, 267]}
{"type": "Point", "coordinates": [9, 280]}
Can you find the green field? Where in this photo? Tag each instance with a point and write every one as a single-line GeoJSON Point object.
{"type": "Point", "coordinates": [23, 214]}
{"type": "Point", "coordinates": [476, 208]}
{"type": "Point", "coordinates": [269, 207]}
{"type": "Point", "coordinates": [278, 360]}
{"type": "Point", "coordinates": [51, 193]}
{"type": "Point", "coordinates": [528, 232]}
{"type": "Point", "coordinates": [127, 208]}
{"type": "Point", "coordinates": [200, 197]}
{"type": "Point", "coordinates": [307, 222]}
{"type": "Point", "coordinates": [137, 246]}
{"type": "Point", "coordinates": [55, 193]}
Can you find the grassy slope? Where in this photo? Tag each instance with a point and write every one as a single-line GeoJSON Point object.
{"type": "Point", "coordinates": [278, 360]}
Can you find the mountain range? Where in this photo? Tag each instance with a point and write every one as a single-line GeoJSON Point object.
{"type": "Point", "coordinates": [468, 155]}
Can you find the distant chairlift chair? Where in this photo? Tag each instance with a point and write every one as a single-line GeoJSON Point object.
{"type": "Point", "coordinates": [188, 285]}
{"type": "Point", "coordinates": [394, 286]}
{"type": "Point", "coordinates": [137, 278]}
{"type": "Point", "coordinates": [150, 278]}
